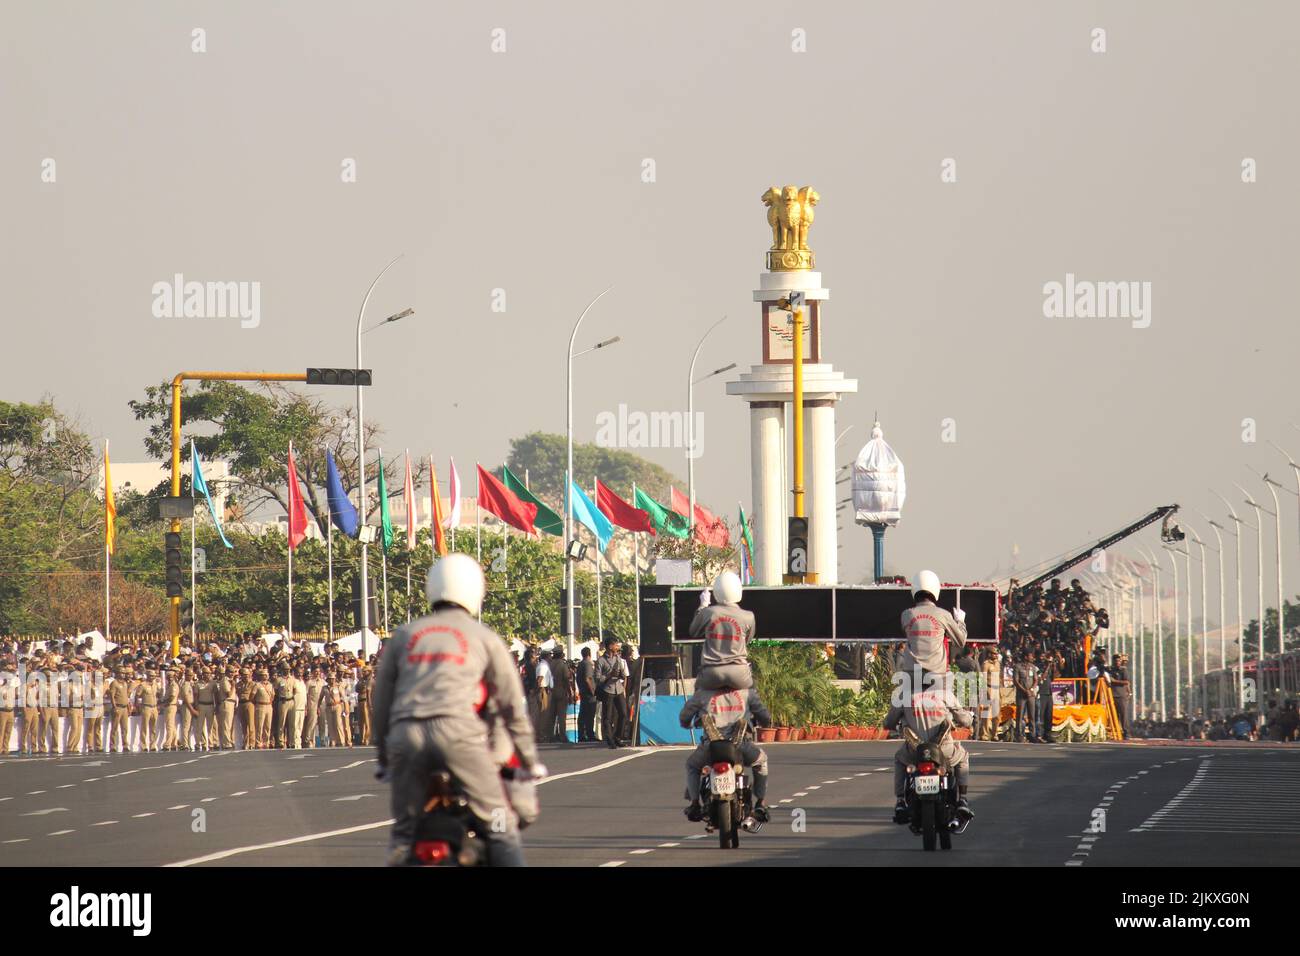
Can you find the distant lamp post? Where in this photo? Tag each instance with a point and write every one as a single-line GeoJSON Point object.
{"type": "Point", "coordinates": [1241, 624]}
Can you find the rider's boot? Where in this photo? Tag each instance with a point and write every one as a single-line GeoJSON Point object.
{"type": "Point", "coordinates": [902, 813]}
{"type": "Point", "coordinates": [964, 815]}
{"type": "Point", "coordinates": [761, 812]}
{"type": "Point", "coordinates": [694, 813]}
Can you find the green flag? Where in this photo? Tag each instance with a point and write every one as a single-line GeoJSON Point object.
{"type": "Point", "coordinates": [746, 549]}
{"type": "Point", "coordinates": [385, 517]}
{"type": "Point", "coordinates": [665, 521]}
{"type": "Point", "coordinates": [546, 520]}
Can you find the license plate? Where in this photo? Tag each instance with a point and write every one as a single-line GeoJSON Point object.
{"type": "Point", "coordinates": [927, 786]}
{"type": "Point", "coordinates": [724, 784]}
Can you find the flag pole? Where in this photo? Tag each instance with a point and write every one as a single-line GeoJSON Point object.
{"type": "Point", "coordinates": [636, 566]}
{"type": "Point", "coordinates": [505, 543]}
{"type": "Point", "coordinates": [478, 521]}
{"type": "Point", "coordinates": [329, 565]}
{"type": "Point", "coordinates": [194, 590]}
{"type": "Point", "coordinates": [288, 539]}
{"type": "Point", "coordinates": [383, 544]}
{"type": "Point", "coordinates": [108, 551]}
{"type": "Point", "coordinates": [600, 611]}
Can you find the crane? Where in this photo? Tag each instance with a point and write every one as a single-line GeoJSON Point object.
{"type": "Point", "coordinates": [1169, 531]}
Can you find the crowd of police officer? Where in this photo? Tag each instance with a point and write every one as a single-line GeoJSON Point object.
{"type": "Point", "coordinates": [61, 698]}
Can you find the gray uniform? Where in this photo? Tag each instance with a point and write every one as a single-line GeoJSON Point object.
{"type": "Point", "coordinates": [726, 707]}
{"type": "Point", "coordinates": [926, 627]}
{"type": "Point", "coordinates": [726, 630]}
{"type": "Point", "coordinates": [425, 706]}
{"type": "Point", "coordinates": [923, 712]}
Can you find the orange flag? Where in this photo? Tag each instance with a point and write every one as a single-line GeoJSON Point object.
{"type": "Point", "coordinates": [435, 512]}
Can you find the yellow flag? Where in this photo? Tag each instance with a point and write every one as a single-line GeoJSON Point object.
{"type": "Point", "coordinates": [110, 509]}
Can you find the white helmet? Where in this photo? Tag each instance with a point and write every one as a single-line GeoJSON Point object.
{"type": "Point", "coordinates": [727, 588]}
{"type": "Point", "coordinates": [458, 579]}
{"type": "Point", "coordinates": [928, 582]}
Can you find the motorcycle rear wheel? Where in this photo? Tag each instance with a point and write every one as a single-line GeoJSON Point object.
{"type": "Point", "coordinates": [928, 829]}
{"type": "Point", "coordinates": [725, 825]}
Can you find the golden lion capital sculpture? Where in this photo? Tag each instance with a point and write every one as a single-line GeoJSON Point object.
{"type": "Point", "coordinates": [790, 214]}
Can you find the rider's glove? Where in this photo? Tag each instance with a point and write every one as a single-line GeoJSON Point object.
{"type": "Point", "coordinates": [536, 772]}
{"type": "Point", "coordinates": [959, 615]}
{"type": "Point", "coordinates": [705, 596]}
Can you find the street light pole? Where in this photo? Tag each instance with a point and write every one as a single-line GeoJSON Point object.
{"type": "Point", "coordinates": [568, 481]}
{"type": "Point", "coordinates": [1158, 652]}
{"type": "Point", "coordinates": [1277, 525]}
{"type": "Point", "coordinates": [1240, 626]}
{"type": "Point", "coordinates": [1173, 563]}
{"type": "Point", "coordinates": [361, 469]}
{"type": "Point", "coordinates": [690, 422]}
{"type": "Point", "coordinates": [1259, 624]}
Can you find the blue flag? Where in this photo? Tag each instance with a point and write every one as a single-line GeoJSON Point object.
{"type": "Point", "coordinates": [343, 513]}
{"type": "Point", "coordinates": [200, 487]}
{"type": "Point", "coordinates": [591, 517]}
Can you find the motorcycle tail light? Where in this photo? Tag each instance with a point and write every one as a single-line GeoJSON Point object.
{"type": "Point", "coordinates": [432, 852]}
{"type": "Point", "coordinates": [925, 766]}
{"type": "Point", "coordinates": [721, 767]}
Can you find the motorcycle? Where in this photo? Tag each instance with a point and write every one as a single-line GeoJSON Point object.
{"type": "Point", "coordinates": [931, 789]}
{"type": "Point", "coordinates": [725, 791]}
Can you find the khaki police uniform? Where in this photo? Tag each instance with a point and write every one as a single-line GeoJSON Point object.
{"type": "Point", "coordinates": [50, 713]}
{"type": "Point", "coordinates": [336, 714]}
{"type": "Point", "coordinates": [119, 695]}
{"type": "Point", "coordinates": [263, 695]}
{"type": "Point", "coordinates": [246, 711]}
{"type": "Point", "coordinates": [9, 697]}
{"type": "Point", "coordinates": [206, 698]}
{"type": "Point", "coordinates": [227, 701]}
{"type": "Point", "coordinates": [146, 696]}
{"type": "Point", "coordinates": [364, 685]}
{"type": "Point", "coordinates": [76, 711]}
{"type": "Point", "coordinates": [189, 711]}
{"type": "Point", "coordinates": [283, 706]}
{"type": "Point", "coordinates": [94, 712]}
{"type": "Point", "coordinates": [171, 697]}
{"type": "Point", "coordinates": [32, 715]}
{"type": "Point", "coordinates": [311, 711]}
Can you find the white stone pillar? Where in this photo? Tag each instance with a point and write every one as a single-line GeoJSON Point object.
{"type": "Point", "coordinates": [766, 446]}
{"type": "Point", "coordinates": [819, 478]}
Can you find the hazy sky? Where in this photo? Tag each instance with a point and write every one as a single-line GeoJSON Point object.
{"type": "Point", "coordinates": [522, 170]}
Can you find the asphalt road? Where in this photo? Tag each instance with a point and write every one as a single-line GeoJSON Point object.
{"type": "Point", "coordinates": [1081, 805]}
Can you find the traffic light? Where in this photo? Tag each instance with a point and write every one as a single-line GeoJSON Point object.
{"type": "Point", "coordinates": [797, 545]}
{"type": "Point", "coordinates": [187, 614]}
{"type": "Point", "coordinates": [338, 376]}
{"type": "Point", "coordinates": [175, 579]}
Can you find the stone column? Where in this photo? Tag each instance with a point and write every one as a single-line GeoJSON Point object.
{"type": "Point", "coordinates": [766, 447]}
{"type": "Point", "coordinates": [819, 495]}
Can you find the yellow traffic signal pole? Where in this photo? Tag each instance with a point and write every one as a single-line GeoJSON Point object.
{"type": "Point", "coordinates": [175, 621]}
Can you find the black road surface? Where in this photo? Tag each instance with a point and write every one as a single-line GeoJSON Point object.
{"type": "Point", "coordinates": [1041, 805]}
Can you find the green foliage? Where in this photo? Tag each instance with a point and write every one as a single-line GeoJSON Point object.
{"type": "Point", "coordinates": [544, 457]}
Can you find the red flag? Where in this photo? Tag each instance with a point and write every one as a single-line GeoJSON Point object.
{"type": "Point", "coordinates": [435, 512]}
{"type": "Point", "coordinates": [620, 512]}
{"type": "Point", "coordinates": [709, 528]}
{"type": "Point", "coordinates": [495, 498]}
{"type": "Point", "coordinates": [297, 507]}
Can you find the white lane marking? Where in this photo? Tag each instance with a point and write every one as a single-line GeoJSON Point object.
{"type": "Point", "coordinates": [266, 786]}
{"type": "Point", "coordinates": [207, 799]}
{"type": "Point", "coordinates": [65, 786]}
{"type": "Point", "coordinates": [640, 852]}
{"type": "Point", "coordinates": [239, 793]}
{"type": "Point", "coordinates": [179, 806]}
{"type": "Point", "coordinates": [786, 800]}
{"type": "Point", "coordinates": [41, 813]}
{"type": "Point", "coordinates": [310, 776]}
{"type": "Point", "coordinates": [881, 768]}
{"type": "Point", "coordinates": [104, 823]}
{"type": "Point", "coordinates": [802, 793]}
{"type": "Point", "coordinates": [358, 796]}
{"type": "Point", "coordinates": [60, 832]}
{"type": "Point", "coordinates": [19, 840]}
{"type": "Point", "coordinates": [614, 863]}
{"type": "Point", "coordinates": [663, 845]}
{"type": "Point", "coordinates": [283, 782]}
{"type": "Point", "coordinates": [355, 763]}
{"type": "Point", "coordinates": [699, 836]}
{"type": "Point", "coordinates": [225, 854]}
{"type": "Point", "coordinates": [865, 773]}
{"type": "Point", "coordinates": [824, 782]}
{"type": "Point", "coordinates": [3, 799]}
{"type": "Point", "coordinates": [137, 816]}
{"type": "Point", "coordinates": [91, 780]}
{"type": "Point", "coordinates": [32, 793]}
{"type": "Point", "coordinates": [190, 780]}
{"type": "Point", "coordinates": [814, 787]}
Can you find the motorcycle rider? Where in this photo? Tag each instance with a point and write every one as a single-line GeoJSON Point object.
{"type": "Point", "coordinates": [726, 628]}
{"type": "Point", "coordinates": [427, 691]}
{"type": "Point", "coordinates": [923, 712]}
{"type": "Point", "coordinates": [928, 628]}
{"type": "Point", "coordinates": [727, 707]}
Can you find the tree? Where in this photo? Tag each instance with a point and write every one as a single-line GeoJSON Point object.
{"type": "Point", "coordinates": [544, 457]}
